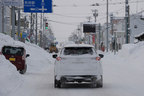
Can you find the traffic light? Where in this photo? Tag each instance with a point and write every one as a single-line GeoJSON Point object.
{"type": "Point", "coordinates": [46, 25]}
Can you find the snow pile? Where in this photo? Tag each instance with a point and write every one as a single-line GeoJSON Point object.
{"type": "Point", "coordinates": [123, 73]}
{"type": "Point", "coordinates": [125, 70]}
{"type": "Point", "coordinates": [10, 79]}
{"type": "Point", "coordinates": [133, 53]}
{"type": "Point", "coordinates": [5, 40]}
{"type": "Point", "coordinates": [38, 56]}
{"type": "Point", "coordinates": [130, 55]}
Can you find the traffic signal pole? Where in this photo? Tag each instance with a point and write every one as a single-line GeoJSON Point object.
{"type": "Point", "coordinates": [95, 14]}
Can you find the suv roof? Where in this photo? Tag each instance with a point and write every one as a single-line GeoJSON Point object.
{"type": "Point", "coordinates": [78, 45]}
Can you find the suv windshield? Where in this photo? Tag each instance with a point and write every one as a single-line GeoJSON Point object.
{"type": "Point", "coordinates": [13, 50]}
{"type": "Point", "coordinates": [78, 50]}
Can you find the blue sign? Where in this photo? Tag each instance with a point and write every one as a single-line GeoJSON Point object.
{"type": "Point", "coordinates": [24, 35]}
{"type": "Point", "coordinates": [38, 6]}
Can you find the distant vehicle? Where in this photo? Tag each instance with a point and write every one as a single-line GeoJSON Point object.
{"type": "Point", "coordinates": [78, 63]}
{"type": "Point", "coordinates": [17, 56]}
{"type": "Point", "coordinates": [53, 48]}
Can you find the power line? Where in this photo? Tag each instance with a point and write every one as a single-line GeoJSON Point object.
{"type": "Point", "coordinates": [69, 16]}
{"type": "Point", "coordinates": [100, 4]}
{"type": "Point", "coordinates": [63, 22]}
{"type": "Point", "coordinates": [117, 3]}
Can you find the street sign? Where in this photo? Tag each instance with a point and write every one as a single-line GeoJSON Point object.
{"type": "Point", "coordinates": [24, 35]}
{"type": "Point", "coordinates": [38, 6]}
{"type": "Point", "coordinates": [12, 2]}
{"type": "Point", "coordinates": [89, 28]}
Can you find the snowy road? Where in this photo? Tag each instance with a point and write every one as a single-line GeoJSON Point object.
{"type": "Point", "coordinates": [123, 74]}
{"type": "Point", "coordinates": [118, 81]}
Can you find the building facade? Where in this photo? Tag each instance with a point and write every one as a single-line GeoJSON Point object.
{"type": "Point", "coordinates": [6, 20]}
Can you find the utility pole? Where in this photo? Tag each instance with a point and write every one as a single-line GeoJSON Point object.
{"type": "Point", "coordinates": [41, 31]}
{"type": "Point", "coordinates": [95, 14]}
{"type": "Point", "coordinates": [31, 31]}
{"type": "Point", "coordinates": [3, 18]}
{"type": "Point", "coordinates": [99, 34]}
{"type": "Point", "coordinates": [43, 25]}
{"type": "Point", "coordinates": [33, 27]}
{"type": "Point", "coordinates": [107, 28]}
{"type": "Point", "coordinates": [18, 24]}
{"type": "Point", "coordinates": [13, 22]}
{"type": "Point", "coordinates": [113, 34]}
{"type": "Point", "coordinates": [115, 43]}
{"type": "Point", "coordinates": [112, 25]}
{"type": "Point", "coordinates": [36, 30]}
{"type": "Point", "coordinates": [127, 25]}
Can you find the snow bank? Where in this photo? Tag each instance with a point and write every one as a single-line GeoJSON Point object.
{"type": "Point", "coordinates": [129, 54]}
{"type": "Point", "coordinates": [35, 52]}
{"type": "Point", "coordinates": [132, 52]}
{"type": "Point", "coordinates": [10, 79]}
{"type": "Point", "coordinates": [124, 70]}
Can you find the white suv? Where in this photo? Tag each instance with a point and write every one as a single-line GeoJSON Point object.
{"type": "Point", "coordinates": [78, 63]}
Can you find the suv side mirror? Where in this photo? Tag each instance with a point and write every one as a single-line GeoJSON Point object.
{"type": "Point", "coordinates": [55, 55]}
{"type": "Point", "coordinates": [101, 55]}
{"type": "Point", "coordinates": [27, 55]}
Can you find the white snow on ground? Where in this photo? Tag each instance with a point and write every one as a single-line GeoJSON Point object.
{"type": "Point", "coordinates": [123, 74]}
{"type": "Point", "coordinates": [9, 77]}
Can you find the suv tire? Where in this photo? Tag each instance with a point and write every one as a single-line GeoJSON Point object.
{"type": "Point", "coordinates": [24, 70]}
{"type": "Point", "coordinates": [100, 84]}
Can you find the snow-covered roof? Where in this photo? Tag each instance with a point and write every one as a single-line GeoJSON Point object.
{"type": "Point", "coordinates": [78, 45]}
{"type": "Point", "coordinates": [14, 45]}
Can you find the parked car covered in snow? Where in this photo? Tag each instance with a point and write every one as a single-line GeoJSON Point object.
{"type": "Point", "coordinates": [17, 56]}
{"type": "Point", "coordinates": [78, 63]}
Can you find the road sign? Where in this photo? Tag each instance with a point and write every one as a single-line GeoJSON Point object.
{"type": "Point", "coordinates": [38, 6]}
{"type": "Point", "coordinates": [24, 35]}
{"type": "Point", "coordinates": [12, 2]}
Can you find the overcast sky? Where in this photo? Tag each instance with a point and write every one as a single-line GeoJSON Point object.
{"type": "Point", "coordinates": [70, 13]}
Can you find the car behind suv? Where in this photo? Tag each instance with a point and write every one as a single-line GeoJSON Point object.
{"type": "Point", "coordinates": [78, 63]}
{"type": "Point", "coordinates": [17, 56]}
